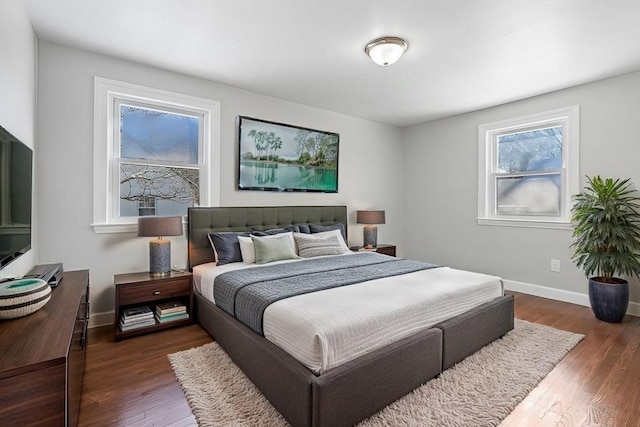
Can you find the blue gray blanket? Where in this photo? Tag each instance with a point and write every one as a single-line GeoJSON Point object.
{"type": "Point", "coordinates": [246, 293]}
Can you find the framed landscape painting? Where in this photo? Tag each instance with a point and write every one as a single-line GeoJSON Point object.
{"type": "Point", "coordinates": [281, 157]}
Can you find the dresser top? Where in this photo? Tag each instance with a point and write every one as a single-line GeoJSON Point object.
{"type": "Point", "coordinates": [43, 338]}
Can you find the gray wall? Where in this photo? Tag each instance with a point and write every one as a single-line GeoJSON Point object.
{"type": "Point", "coordinates": [18, 53]}
{"type": "Point", "coordinates": [441, 170]}
{"type": "Point", "coordinates": [436, 167]}
{"type": "Point", "coordinates": [370, 164]}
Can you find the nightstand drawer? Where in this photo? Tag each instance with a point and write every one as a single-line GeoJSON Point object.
{"type": "Point", "coordinates": [143, 292]}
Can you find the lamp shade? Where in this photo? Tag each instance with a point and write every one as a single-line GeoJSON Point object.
{"type": "Point", "coordinates": [370, 217]}
{"type": "Point", "coordinates": [153, 226]}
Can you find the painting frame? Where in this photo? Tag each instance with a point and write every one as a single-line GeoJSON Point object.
{"type": "Point", "coordinates": [281, 157]}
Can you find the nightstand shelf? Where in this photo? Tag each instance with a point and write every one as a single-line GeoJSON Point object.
{"type": "Point", "coordinates": [142, 289]}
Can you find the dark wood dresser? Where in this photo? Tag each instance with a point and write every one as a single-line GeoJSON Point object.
{"type": "Point", "coordinates": [42, 358]}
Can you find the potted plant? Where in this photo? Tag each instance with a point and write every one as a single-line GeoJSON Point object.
{"type": "Point", "coordinates": [606, 218]}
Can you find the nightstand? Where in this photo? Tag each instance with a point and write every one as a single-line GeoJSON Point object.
{"type": "Point", "coordinates": [142, 289]}
{"type": "Point", "coordinates": [386, 250]}
{"type": "Point", "coordinates": [381, 249]}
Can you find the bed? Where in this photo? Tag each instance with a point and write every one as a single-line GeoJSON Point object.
{"type": "Point", "coordinates": [353, 389]}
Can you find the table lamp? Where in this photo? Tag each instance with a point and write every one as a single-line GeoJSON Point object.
{"type": "Point", "coordinates": [370, 233]}
{"type": "Point", "coordinates": [159, 249]}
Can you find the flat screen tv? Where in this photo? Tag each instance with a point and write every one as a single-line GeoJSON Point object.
{"type": "Point", "coordinates": [281, 157]}
{"type": "Point", "coordinates": [16, 165]}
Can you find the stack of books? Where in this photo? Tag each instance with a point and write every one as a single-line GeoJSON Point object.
{"type": "Point", "coordinates": [171, 311]}
{"type": "Point", "coordinates": [136, 317]}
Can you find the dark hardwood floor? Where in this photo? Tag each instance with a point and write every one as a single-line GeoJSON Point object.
{"type": "Point", "coordinates": [130, 383]}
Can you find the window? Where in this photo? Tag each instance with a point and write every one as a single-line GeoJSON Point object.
{"type": "Point", "coordinates": [156, 153]}
{"type": "Point", "coordinates": [528, 170]}
{"type": "Point", "coordinates": [156, 160]}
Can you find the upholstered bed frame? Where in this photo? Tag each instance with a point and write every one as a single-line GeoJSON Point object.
{"type": "Point", "coordinates": [357, 389]}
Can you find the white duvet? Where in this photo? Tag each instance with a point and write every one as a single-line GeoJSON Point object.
{"type": "Point", "coordinates": [328, 328]}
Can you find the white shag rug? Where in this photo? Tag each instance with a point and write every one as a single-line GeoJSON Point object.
{"type": "Point", "coordinates": [481, 390]}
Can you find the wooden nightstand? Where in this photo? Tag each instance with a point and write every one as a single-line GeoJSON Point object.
{"type": "Point", "coordinates": [381, 249]}
{"type": "Point", "coordinates": [142, 289]}
{"type": "Point", "coordinates": [386, 250]}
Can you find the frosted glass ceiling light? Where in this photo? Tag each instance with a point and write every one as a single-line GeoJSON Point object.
{"type": "Point", "coordinates": [386, 50]}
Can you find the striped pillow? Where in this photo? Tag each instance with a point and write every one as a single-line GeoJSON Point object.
{"type": "Point", "coordinates": [309, 246]}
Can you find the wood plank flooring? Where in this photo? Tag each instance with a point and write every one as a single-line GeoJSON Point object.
{"type": "Point", "coordinates": [130, 383]}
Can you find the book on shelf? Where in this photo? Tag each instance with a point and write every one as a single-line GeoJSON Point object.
{"type": "Point", "coordinates": [172, 317]}
{"type": "Point", "coordinates": [143, 324]}
{"type": "Point", "coordinates": [136, 317]}
{"type": "Point", "coordinates": [170, 307]}
{"type": "Point", "coordinates": [137, 312]}
{"type": "Point", "coordinates": [135, 321]}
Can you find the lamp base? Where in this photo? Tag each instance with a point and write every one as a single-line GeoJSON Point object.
{"type": "Point", "coordinates": [160, 257]}
{"type": "Point", "coordinates": [160, 274]}
{"type": "Point", "coordinates": [370, 236]}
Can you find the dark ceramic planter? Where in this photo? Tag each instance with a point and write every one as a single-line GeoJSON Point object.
{"type": "Point", "coordinates": [609, 301]}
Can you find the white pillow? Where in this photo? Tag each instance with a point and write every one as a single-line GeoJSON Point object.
{"type": "Point", "coordinates": [325, 234]}
{"type": "Point", "coordinates": [249, 252]}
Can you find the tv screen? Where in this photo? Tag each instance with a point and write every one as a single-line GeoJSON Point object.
{"type": "Point", "coordinates": [16, 163]}
{"type": "Point", "coordinates": [281, 157]}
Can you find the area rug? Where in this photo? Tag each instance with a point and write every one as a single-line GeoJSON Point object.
{"type": "Point", "coordinates": [479, 391]}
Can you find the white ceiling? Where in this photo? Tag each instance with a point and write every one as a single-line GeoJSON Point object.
{"type": "Point", "coordinates": [463, 55]}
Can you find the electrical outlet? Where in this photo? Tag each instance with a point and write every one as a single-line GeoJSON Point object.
{"type": "Point", "coordinates": [555, 265]}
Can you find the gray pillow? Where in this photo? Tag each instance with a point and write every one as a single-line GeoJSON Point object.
{"type": "Point", "coordinates": [302, 228]}
{"type": "Point", "coordinates": [226, 246]}
{"type": "Point", "coordinates": [273, 249]}
{"type": "Point", "coordinates": [310, 246]}
{"type": "Point", "coordinates": [320, 228]}
{"type": "Point", "coordinates": [274, 231]}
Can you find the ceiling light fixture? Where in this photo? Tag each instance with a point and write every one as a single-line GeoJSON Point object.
{"type": "Point", "coordinates": [386, 50]}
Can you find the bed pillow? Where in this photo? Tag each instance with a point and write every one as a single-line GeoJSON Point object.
{"type": "Point", "coordinates": [273, 248]}
{"type": "Point", "coordinates": [302, 228]}
{"type": "Point", "coordinates": [337, 234]}
{"type": "Point", "coordinates": [275, 231]}
{"type": "Point", "coordinates": [226, 246]}
{"type": "Point", "coordinates": [310, 246]}
{"type": "Point", "coordinates": [314, 228]}
{"type": "Point", "coordinates": [247, 248]}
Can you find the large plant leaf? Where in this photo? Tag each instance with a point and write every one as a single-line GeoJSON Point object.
{"type": "Point", "coordinates": [606, 218]}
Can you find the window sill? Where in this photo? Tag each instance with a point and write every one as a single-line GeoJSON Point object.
{"type": "Point", "coordinates": [526, 223]}
{"type": "Point", "coordinates": [123, 228]}
{"type": "Point", "coordinates": [131, 227]}
{"type": "Point", "coordinates": [114, 228]}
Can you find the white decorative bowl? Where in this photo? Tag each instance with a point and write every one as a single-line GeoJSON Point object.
{"type": "Point", "coordinates": [22, 297]}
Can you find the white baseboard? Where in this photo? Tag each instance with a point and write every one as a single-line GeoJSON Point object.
{"type": "Point", "coordinates": [101, 319]}
{"type": "Point", "coordinates": [560, 295]}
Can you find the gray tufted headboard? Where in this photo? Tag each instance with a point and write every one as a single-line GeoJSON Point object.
{"type": "Point", "coordinates": [202, 221]}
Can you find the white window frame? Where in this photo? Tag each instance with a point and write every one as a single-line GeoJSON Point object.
{"type": "Point", "coordinates": [569, 119]}
{"type": "Point", "coordinates": [107, 94]}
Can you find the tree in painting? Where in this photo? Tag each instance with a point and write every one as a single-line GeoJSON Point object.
{"type": "Point", "coordinates": [316, 149]}
{"type": "Point", "coordinates": [267, 143]}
